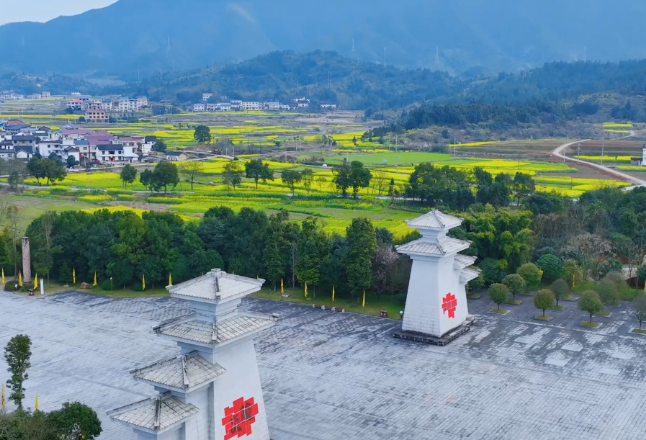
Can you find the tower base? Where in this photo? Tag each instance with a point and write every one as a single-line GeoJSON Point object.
{"type": "Point", "coordinates": [443, 340]}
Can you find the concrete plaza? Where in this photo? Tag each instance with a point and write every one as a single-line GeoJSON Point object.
{"type": "Point", "coordinates": [331, 376]}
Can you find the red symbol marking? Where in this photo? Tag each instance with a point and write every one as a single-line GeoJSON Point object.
{"type": "Point", "coordinates": [449, 303]}
{"type": "Point", "coordinates": [238, 418]}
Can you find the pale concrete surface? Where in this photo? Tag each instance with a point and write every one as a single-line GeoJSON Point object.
{"type": "Point", "coordinates": [330, 376]}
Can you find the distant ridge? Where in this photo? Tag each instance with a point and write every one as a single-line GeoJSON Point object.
{"type": "Point", "coordinates": [455, 36]}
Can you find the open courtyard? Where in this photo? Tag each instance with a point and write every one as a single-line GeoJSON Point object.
{"type": "Point", "coordinates": [330, 376]}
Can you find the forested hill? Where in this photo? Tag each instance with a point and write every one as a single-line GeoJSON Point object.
{"type": "Point", "coordinates": [325, 77]}
{"type": "Point", "coordinates": [454, 36]}
{"type": "Point", "coordinates": [332, 78]}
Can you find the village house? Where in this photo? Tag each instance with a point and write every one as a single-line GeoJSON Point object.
{"type": "Point", "coordinates": [97, 115]}
{"type": "Point", "coordinates": [176, 156]}
{"type": "Point", "coordinates": [206, 96]}
{"type": "Point", "coordinates": [47, 95]}
{"type": "Point", "coordinates": [250, 105]}
{"type": "Point", "coordinates": [272, 106]}
{"type": "Point", "coordinates": [142, 102]}
{"type": "Point", "coordinates": [199, 107]}
{"type": "Point", "coordinates": [110, 153]}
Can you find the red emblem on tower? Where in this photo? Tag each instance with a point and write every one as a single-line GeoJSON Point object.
{"type": "Point", "coordinates": [449, 304]}
{"type": "Point", "coordinates": [238, 418]}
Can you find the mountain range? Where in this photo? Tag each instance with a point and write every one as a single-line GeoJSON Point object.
{"type": "Point", "coordinates": [138, 37]}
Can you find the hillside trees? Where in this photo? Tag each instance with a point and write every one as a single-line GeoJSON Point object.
{"type": "Point", "coordinates": [164, 175]}
{"type": "Point", "coordinates": [362, 245]}
{"type": "Point", "coordinates": [291, 178]}
{"type": "Point", "coordinates": [49, 169]}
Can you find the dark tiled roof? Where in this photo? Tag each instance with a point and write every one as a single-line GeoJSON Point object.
{"type": "Point", "coordinates": [110, 147]}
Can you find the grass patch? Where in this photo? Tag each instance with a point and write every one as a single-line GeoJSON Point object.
{"type": "Point", "coordinates": [544, 317]}
{"type": "Point", "coordinates": [605, 313]}
{"type": "Point", "coordinates": [474, 296]}
{"type": "Point", "coordinates": [590, 324]}
{"type": "Point", "coordinates": [558, 307]}
{"type": "Point", "coordinates": [515, 302]}
{"type": "Point", "coordinates": [639, 331]}
{"type": "Point", "coordinates": [499, 311]}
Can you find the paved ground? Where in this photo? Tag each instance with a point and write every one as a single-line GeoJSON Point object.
{"type": "Point", "coordinates": [332, 376]}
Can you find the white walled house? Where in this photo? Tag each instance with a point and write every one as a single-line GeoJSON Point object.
{"type": "Point", "coordinates": [250, 105]}
{"type": "Point", "coordinates": [199, 107]}
{"type": "Point", "coordinates": [110, 153]}
{"type": "Point", "coordinates": [206, 96]}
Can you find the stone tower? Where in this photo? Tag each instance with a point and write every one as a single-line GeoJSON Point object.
{"type": "Point", "coordinates": [212, 390]}
{"type": "Point", "coordinates": [26, 260]}
{"type": "Point", "coordinates": [436, 306]}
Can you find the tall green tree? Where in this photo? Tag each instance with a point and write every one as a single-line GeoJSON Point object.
{"type": "Point", "coordinates": [17, 354]}
{"type": "Point", "coordinates": [232, 175]}
{"type": "Point", "coordinates": [202, 134]}
{"type": "Point", "coordinates": [342, 177]}
{"type": "Point", "coordinates": [43, 249]}
{"type": "Point", "coordinates": [362, 246]}
{"type": "Point", "coordinates": [291, 178]}
{"type": "Point", "coordinates": [307, 177]}
{"type": "Point", "coordinates": [360, 177]}
{"type": "Point", "coordinates": [128, 175]}
{"type": "Point", "coordinates": [36, 167]}
{"type": "Point", "coordinates": [257, 170]}
{"type": "Point", "coordinates": [166, 174]}
{"type": "Point", "coordinates": [192, 169]}
{"type": "Point", "coordinates": [313, 249]}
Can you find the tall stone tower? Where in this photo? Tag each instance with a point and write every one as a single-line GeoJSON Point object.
{"type": "Point", "coordinates": [436, 306]}
{"type": "Point", "coordinates": [26, 260]}
{"type": "Point", "coordinates": [212, 390]}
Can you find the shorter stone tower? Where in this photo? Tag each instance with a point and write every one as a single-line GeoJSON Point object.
{"type": "Point", "coordinates": [212, 390]}
{"type": "Point", "coordinates": [436, 306]}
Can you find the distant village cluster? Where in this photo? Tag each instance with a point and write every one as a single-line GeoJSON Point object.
{"type": "Point", "coordinates": [238, 105]}
{"type": "Point", "coordinates": [19, 140]}
{"type": "Point", "coordinates": [8, 95]}
{"type": "Point", "coordinates": [99, 110]}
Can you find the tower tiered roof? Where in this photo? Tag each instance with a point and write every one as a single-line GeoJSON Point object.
{"type": "Point", "coordinates": [435, 243]}
{"type": "Point", "coordinates": [155, 415]}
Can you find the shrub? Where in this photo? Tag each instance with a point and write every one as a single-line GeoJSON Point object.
{"type": "Point", "coordinates": [610, 265]}
{"type": "Point", "coordinates": [572, 273]}
{"type": "Point", "coordinates": [560, 289]}
{"type": "Point", "coordinates": [125, 197]}
{"type": "Point", "coordinates": [552, 267]}
{"type": "Point", "coordinates": [544, 299]}
{"type": "Point", "coordinates": [607, 291]}
{"type": "Point", "coordinates": [591, 303]}
{"type": "Point", "coordinates": [106, 285]}
{"type": "Point", "coordinates": [493, 270]}
{"type": "Point", "coordinates": [498, 293]}
{"type": "Point", "coordinates": [530, 273]}
{"type": "Point", "coordinates": [11, 286]}
{"type": "Point", "coordinates": [515, 283]}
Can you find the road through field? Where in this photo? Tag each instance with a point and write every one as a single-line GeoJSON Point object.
{"type": "Point", "coordinates": [558, 152]}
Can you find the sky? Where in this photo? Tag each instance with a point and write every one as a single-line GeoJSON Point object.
{"type": "Point", "coordinates": [44, 10]}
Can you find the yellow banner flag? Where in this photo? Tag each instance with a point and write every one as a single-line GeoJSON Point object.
{"type": "Point", "coordinates": [170, 279]}
{"type": "Point", "coordinates": [95, 283]}
{"type": "Point", "coordinates": [305, 290]}
{"type": "Point", "coordinates": [74, 275]}
{"type": "Point", "coordinates": [20, 279]}
{"type": "Point", "coordinates": [332, 293]}
{"type": "Point", "coordinates": [2, 398]}
{"type": "Point", "coordinates": [3, 281]}
{"type": "Point", "coordinates": [143, 282]}
{"type": "Point", "coordinates": [36, 282]}
{"type": "Point", "coordinates": [282, 287]}
{"type": "Point", "coordinates": [36, 403]}
{"type": "Point", "coordinates": [364, 299]}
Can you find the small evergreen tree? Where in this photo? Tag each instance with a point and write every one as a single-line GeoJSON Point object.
{"type": "Point", "coordinates": [17, 354]}
{"type": "Point", "coordinates": [543, 300]}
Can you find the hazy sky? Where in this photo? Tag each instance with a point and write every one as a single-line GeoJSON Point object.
{"type": "Point", "coordinates": [44, 10]}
